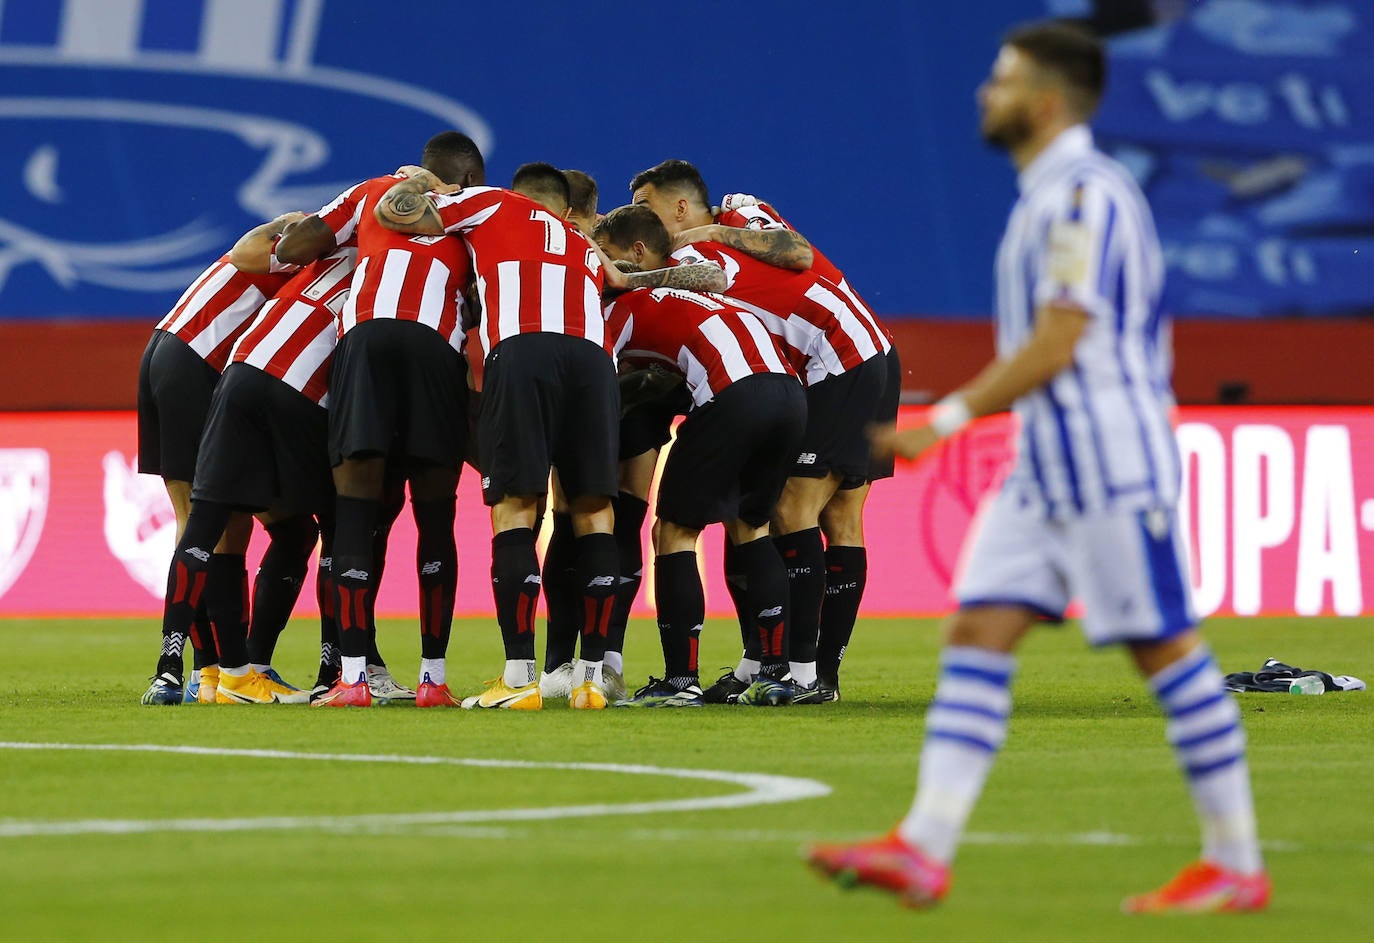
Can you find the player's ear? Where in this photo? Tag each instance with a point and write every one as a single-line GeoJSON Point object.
{"type": "Point", "coordinates": [639, 250]}
{"type": "Point", "coordinates": [683, 208]}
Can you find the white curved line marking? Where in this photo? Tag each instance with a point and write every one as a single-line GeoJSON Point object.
{"type": "Point", "coordinates": [761, 789]}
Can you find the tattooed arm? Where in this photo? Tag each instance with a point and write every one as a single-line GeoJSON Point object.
{"type": "Point", "coordinates": [696, 276]}
{"type": "Point", "coordinates": [408, 207]}
{"type": "Point", "coordinates": [253, 252]}
{"type": "Point", "coordinates": [784, 248]}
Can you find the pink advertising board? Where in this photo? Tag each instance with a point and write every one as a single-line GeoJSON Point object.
{"type": "Point", "coordinates": [1279, 509]}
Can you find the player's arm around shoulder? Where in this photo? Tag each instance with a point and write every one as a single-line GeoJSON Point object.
{"type": "Point", "coordinates": [408, 206]}
{"type": "Point", "coordinates": [253, 253]}
{"type": "Point", "coordinates": [785, 248]}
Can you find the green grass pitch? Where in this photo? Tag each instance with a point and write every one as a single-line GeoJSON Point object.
{"type": "Point", "coordinates": [1084, 806]}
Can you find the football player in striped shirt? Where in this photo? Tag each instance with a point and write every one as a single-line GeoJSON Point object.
{"type": "Point", "coordinates": [729, 461]}
{"type": "Point", "coordinates": [188, 351]}
{"type": "Point", "coordinates": [398, 403]}
{"type": "Point", "coordinates": [838, 349]}
{"type": "Point", "coordinates": [841, 520]}
{"type": "Point", "coordinates": [264, 451]}
{"type": "Point", "coordinates": [1089, 510]}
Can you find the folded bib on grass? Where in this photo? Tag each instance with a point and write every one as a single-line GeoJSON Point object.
{"type": "Point", "coordinates": [1275, 677]}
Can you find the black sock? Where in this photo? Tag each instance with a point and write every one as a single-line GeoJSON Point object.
{"type": "Point", "coordinates": [436, 562]}
{"type": "Point", "coordinates": [226, 589]}
{"type": "Point", "coordinates": [737, 582]}
{"type": "Point", "coordinates": [515, 588]}
{"type": "Point", "coordinates": [804, 556]}
{"type": "Point", "coordinates": [846, 573]}
{"type": "Point", "coordinates": [171, 659]}
{"type": "Point", "coordinates": [352, 565]}
{"type": "Point", "coordinates": [186, 578]}
{"type": "Point", "coordinates": [598, 572]}
{"type": "Point", "coordinates": [630, 511]}
{"type": "Point", "coordinates": [767, 599]}
{"type": "Point", "coordinates": [324, 598]}
{"type": "Point", "coordinates": [681, 611]}
{"type": "Point", "coordinates": [564, 620]}
{"type": "Point", "coordinates": [277, 584]}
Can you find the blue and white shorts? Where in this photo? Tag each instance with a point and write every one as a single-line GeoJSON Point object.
{"type": "Point", "coordinates": [1128, 568]}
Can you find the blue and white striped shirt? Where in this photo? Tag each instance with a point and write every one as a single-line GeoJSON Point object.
{"type": "Point", "coordinates": [1097, 436]}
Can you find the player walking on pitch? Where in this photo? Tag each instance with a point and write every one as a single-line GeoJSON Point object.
{"type": "Point", "coordinates": [1089, 510]}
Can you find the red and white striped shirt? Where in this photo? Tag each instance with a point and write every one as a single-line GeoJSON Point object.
{"type": "Point", "coordinates": [535, 273]}
{"type": "Point", "coordinates": [294, 335]}
{"type": "Point", "coordinates": [399, 275]}
{"type": "Point", "coordinates": [763, 216]}
{"type": "Point", "coordinates": [819, 330]}
{"type": "Point", "coordinates": [216, 309]}
{"type": "Point", "coordinates": [707, 338]}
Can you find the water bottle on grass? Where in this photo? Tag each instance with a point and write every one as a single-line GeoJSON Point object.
{"type": "Point", "coordinates": [1307, 684]}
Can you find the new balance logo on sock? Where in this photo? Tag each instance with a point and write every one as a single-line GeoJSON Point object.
{"type": "Point", "coordinates": [198, 553]}
{"type": "Point", "coordinates": [601, 581]}
{"type": "Point", "coordinates": [353, 575]}
{"type": "Point", "coordinates": [432, 567]}
{"type": "Point", "coordinates": [326, 562]}
{"type": "Point", "coordinates": [533, 578]}
{"type": "Point", "coordinates": [769, 613]}
{"type": "Point", "coordinates": [486, 482]}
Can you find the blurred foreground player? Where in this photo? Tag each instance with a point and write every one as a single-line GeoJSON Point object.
{"type": "Point", "coordinates": [1089, 510]}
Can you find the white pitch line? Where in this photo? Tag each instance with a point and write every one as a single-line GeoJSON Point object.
{"type": "Point", "coordinates": [760, 789]}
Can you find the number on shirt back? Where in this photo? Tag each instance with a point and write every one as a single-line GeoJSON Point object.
{"type": "Point", "coordinates": [555, 233]}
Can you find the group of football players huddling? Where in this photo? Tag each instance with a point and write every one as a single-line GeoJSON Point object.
{"type": "Point", "coordinates": [326, 364]}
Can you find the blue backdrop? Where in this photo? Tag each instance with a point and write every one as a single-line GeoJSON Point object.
{"type": "Point", "coordinates": [142, 136]}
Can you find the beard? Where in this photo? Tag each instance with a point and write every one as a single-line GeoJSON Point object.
{"type": "Point", "coordinates": [1009, 133]}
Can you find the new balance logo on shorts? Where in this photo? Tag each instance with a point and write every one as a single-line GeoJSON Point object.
{"type": "Point", "coordinates": [601, 581]}
{"type": "Point", "coordinates": [806, 458]}
{"type": "Point", "coordinates": [432, 567]}
{"type": "Point", "coordinates": [198, 553]}
{"type": "Point", "coordinates": [486, 482]}
{"type": "Point", "coordinates": [770, 613]}
{"type": "Point", "coordinates": [353, 575]}
{"type": "Point", "coordinates": [533, 578]}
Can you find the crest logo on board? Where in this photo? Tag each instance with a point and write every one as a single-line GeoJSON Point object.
{"type": "Point", "coordinates": [140, 524]}
{"type": "Point", "coordinates": [23, 507]}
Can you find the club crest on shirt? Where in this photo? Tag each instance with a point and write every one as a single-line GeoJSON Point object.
{"type": "Point", "coordinates": [217, 125]}
{"type": "Point", "coordinates": [140, 524]}
{"type": "Point", "coordinates": [23, 507]}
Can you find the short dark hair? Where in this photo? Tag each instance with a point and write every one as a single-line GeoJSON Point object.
{"type": "Point", "coordinates": [451, 156]}
{"type": "Point", "coordinates": [542, 182]}
{"type": "Point", "coordinates": [673, 175]}
{"type": "Point", "coordinates": [581, 192]}
{"type": "Point", "coordinates": [626, 225]}
{"type": "Point", "coordinates": [1071, 53]}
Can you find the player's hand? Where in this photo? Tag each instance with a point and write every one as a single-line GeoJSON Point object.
{"type": "Point", "coordinates": [286, 219]}
{"type": "Point", "coordinates": [886, 440]}
{"type": "Point", "coordinates": [733, 201]}
{"type": "Point", "coordinates": [695, 234]}
{"type": "Point", "coordinates": [444, 189]}
{"type": "Point", "coordinates": [410, 170]}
